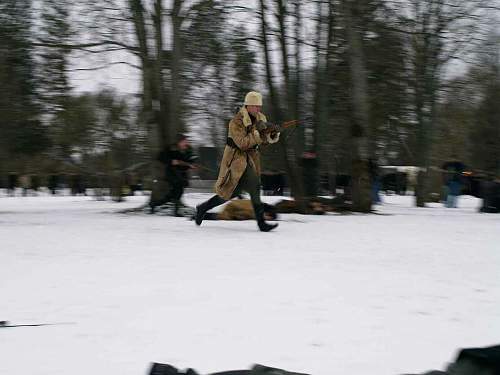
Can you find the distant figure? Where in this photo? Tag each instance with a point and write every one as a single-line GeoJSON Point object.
{"type": "Point", "coordinates": [25, 184]}
{"type": "Point", "coordinates": [177, 160]}
{"type": "Point", "coordinates": [76, 185]}
{"type": "Point", "coordinates": [473, 361]}
{"type": "Point", "coordinates": [35, 183]}
{"type": "Point", "coordinates": [12, 184]}
{"type": "Point", "coordinates": [99, 183]}
{"type": "Point", "coordinates": [137, 185]}
{"type": "Point", "coordinates": [310, 164]}
{"type": "Point", "coordinates": [53, 183]}
{"type": "Point", "coordinates": [240, 166]}
{"type": "Point", "coordinates": [490, 192]}
{"type": "Point", "coordinates": [375, 181]}
{"type": "Point", "coordinates": [452, 178]}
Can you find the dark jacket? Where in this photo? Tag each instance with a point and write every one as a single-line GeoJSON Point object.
{"type": "Point", "coordinates": [177, 174]}
{"type": "Point", "coordinates": [453, 171]}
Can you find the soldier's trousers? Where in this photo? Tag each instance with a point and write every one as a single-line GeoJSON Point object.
{"type": "Point", "coordinates": [174, 194]}
{"type": "Point", "coordinates": [249, 182]}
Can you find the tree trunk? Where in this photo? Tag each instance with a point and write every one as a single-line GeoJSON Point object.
{"type": "Point", "coordinates": [288, 154]}
{"type": "Point", "coordinates": [160, 97]}
{"type": "Point", "coordinates": [176, 124]}
{"type": "Point", "coordinates": [361, 184]}
{"type": "Point", "coordinates": [152, 85]}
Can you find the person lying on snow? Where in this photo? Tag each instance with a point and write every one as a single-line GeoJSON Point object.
{"type": "Point", "coordinates": [241, 209]}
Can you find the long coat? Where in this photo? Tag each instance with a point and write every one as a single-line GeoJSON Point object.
{"type": "Point", "coordinates": [235, 159]}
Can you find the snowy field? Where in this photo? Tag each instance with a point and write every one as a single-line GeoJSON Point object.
{"type": "Point", "coordinates": [336, 294]}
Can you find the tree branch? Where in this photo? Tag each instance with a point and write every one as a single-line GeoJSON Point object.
{"type": "Point", "coordinates": [105, 66]}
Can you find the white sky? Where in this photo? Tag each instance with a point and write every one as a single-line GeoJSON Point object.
{"type": "Point", "coordinates": [123, 78]}
{"type": "Point", "coordinates": [127, 80]}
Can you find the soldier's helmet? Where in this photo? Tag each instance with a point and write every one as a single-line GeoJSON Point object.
{"type": "Point", "coordinates": [253, 98]}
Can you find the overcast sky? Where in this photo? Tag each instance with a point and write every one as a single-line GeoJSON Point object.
{"type": "Point", "coordinates": [127, 80]}
{"type": "Point", "coordinates": [121, 77]}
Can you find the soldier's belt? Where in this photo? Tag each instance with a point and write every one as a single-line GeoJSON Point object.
{"type": "Point", "coordinates": [230, 142]}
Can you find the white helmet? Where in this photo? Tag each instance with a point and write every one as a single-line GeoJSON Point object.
{"type": "Point", "coordinates": [253, 98]}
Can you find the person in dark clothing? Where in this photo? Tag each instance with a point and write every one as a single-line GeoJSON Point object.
{"type": "Point", "coordinates": [12, 184]}
{"type": "Point", "coordinates": [452, 177]}
{"type": "Point", "coordinates": [490, 192]}
{"type": "Point", "coordinates": [35, 183]}
{"type": "Point", "coordinates": [53, 183]}
{"type": "Point", "coordinates": [309, 163]}
{"type": "Point", "coordinates": [375, 180]}
{"type": "Point", "coordinates": [177, 160]}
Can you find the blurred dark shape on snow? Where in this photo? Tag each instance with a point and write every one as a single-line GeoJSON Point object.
{"type": "Point", "coordinates": [473, 361]}
{"type": "Point", "coordinates": [165, 369]}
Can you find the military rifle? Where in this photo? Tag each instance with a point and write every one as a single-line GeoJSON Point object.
{"type": "Point", "coordinates": [275, 128]}
{"type": "Point", "coordinates": [191, 165]}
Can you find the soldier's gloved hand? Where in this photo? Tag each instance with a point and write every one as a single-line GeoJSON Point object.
{"type": "Point", "coordinates": [261, 126]}
{"type": "Point", "coordinates": [273, 128]}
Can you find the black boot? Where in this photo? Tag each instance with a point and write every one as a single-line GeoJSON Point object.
{"type": "Point", "coordinates": [202, 209]}
{"type": "Point", "coordinates": [152, 207]}
{"type": "Point", "coordinates": [259, 216]}
{"type": "Point", "coordinates": [177, 209]}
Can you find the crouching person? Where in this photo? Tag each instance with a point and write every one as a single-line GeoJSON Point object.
{"type": "Point", "coordinates": [240, 166]}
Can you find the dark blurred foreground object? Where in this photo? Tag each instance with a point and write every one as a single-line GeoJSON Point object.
{"type": "Point", "coordinates": [490, 191]}
{"type": "Point", "coordinates": [164, 369]}
{"type": "Point", "coordinates": [474, 361]}
{"type": "Point", "coordinates": [53, 183]}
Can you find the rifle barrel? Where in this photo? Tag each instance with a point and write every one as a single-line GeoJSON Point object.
{"type": "Point", "coordinates": [287, 124]}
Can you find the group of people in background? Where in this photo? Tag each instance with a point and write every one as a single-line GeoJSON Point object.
{"type": "Point", "coordinates": [179, 159]}
{"type": "Point", "coordinates": [72, 183]}
{"type": "Point", "coordinates": [457, 180]}
{"type": "Point", "coordinates": [453, 171]}
{"type": "Point", "coordinates": [240, 171]}
{"type": "Point", "coordinates": [32, 183]}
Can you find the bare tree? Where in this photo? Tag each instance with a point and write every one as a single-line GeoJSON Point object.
{"type": "Point", "coordinates": [360, 121]}
{"type": "Point", "coordinates": [287, 151]}
{"type": "Point", "coordinates": [438, 32]}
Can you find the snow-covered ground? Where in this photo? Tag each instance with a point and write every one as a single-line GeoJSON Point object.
{"type": "Point", "coordinates": [336, 294]}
